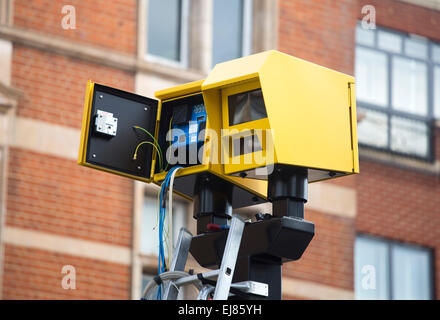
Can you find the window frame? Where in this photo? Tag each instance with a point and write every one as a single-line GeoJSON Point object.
{"type": "Point", "coordinates": [388, 110]}
{"type": "Point", "coordinates": [196, 57]}
{"type": "Point", "coordinates": [148, 260]}
{"type": "Point", "coordinates": [184, 39]}
{"type": "Point", "coordinates": [246, 30]}
{"type": "Point", "coordinates": [389, 243]}
{"type": "Point", "coordinates": [248, 22]}
{"type": "Point", "coordinates": [180, 210]}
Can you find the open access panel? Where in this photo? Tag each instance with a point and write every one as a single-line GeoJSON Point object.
{"type": "Point", "coordinates": [109, 137]}
{"type": "Point", "coordinates": [135, 136]}
{"type": "Point", "coordinates": [119, 132]}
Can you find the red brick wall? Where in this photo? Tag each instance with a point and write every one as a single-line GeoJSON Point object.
{"type": "Point", "coordinates": [323, 32]}
{"type": "Point", "coordinates": [320, 31]}
{"type": "Point", "coordinates": [36, 274]}
{"type": "Point", "coordinates": [329, 258]}
{"type": "Point", "coordinates": [401, 205]}
{"type": "Point", "coordinates": [54, 86]}
{"type": "Point", "coordinates": [395, 203]}
{"type": "Point", "coordinates": [405, 17]}
{"type": "Point", "coordinates": [55, 195]}
{"type": "Point", "coordinates": [108, 24]}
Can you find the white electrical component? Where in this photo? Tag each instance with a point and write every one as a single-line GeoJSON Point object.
{"type": "Point", "coordinates": [105, 123]}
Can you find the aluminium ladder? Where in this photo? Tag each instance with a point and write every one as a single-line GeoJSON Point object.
{"type": "Point", "coordinates": [222, 287]}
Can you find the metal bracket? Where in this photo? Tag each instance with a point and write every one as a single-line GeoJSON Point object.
{"type": "Point", "coordinates": [252, 287]}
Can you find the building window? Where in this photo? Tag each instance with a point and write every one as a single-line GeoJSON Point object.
{"type": "Point", "coordinates": [150, 237]}
{"type": "Point", "coordinates": [395, 98]}
{"type": "Point", "coordinates": [146, 277]}
{"type": "Point", "coordinates": [167, 31]}
{"type": "Point", "coordinates": [198, 34]}
{"type": "Point", "coordinates": [232, 29]}
{"type": "Point", "coordinates": [392, 270]}
{"type": "Point", "coordinates": [149, 229]}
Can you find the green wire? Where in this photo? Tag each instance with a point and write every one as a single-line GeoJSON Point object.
{"type": "Point", "coordinates": [147, 132]}
{"type": "Point", "coordinates": [155, 141]}
{"type": "Point", "coordinates": [157, 149]}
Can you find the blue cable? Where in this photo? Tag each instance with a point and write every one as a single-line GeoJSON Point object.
{"type": "Point", "coordinates": [162, 213]}
{"type": "Point", "coordinates": [161, 260]}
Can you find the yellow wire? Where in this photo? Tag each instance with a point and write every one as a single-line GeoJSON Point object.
{"type": "Point", "coordinates": [148, 132]}
{"type": "Point", "coordinates": [166, 230]}
{"type": "Point", "coordinates": [157, 149]}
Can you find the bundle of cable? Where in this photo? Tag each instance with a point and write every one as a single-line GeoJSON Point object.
{"type": "Point", "coordinates": [166, 184]}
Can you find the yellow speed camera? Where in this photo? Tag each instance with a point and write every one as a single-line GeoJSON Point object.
{"type": "Point", "coordinates": [278, 109]}
{"type": "Point", "coordinates": [230, 130]}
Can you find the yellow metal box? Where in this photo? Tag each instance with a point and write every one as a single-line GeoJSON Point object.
{"type": "Point", "coordinates": [248, 115]}
{"type": "Point", "coordinates": [278, 109]}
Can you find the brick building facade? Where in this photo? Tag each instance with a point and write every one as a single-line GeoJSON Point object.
{"type": "Point", "coordinates": [54, 213]}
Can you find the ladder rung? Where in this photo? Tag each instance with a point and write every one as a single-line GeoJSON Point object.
{"type": "Point", "coordinates": [212, 274]}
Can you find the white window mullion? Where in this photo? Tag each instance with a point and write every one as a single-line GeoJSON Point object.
{"type": "Point", "coordinates": [247, 27]}
{"type": "Point", "coordinates": [184, 34]}
{"type": "Point", "coordinates": [232, 29]}
{"type": "Point", "coordinates": [183, 38]}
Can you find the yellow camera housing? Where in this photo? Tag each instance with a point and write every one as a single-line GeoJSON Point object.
{"type": "Point", "coordinates": [261, 110]}
{"type": "Point", "coordinates": [310, 116]}
{"type": "Point", "coordinates": [249, 191]}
